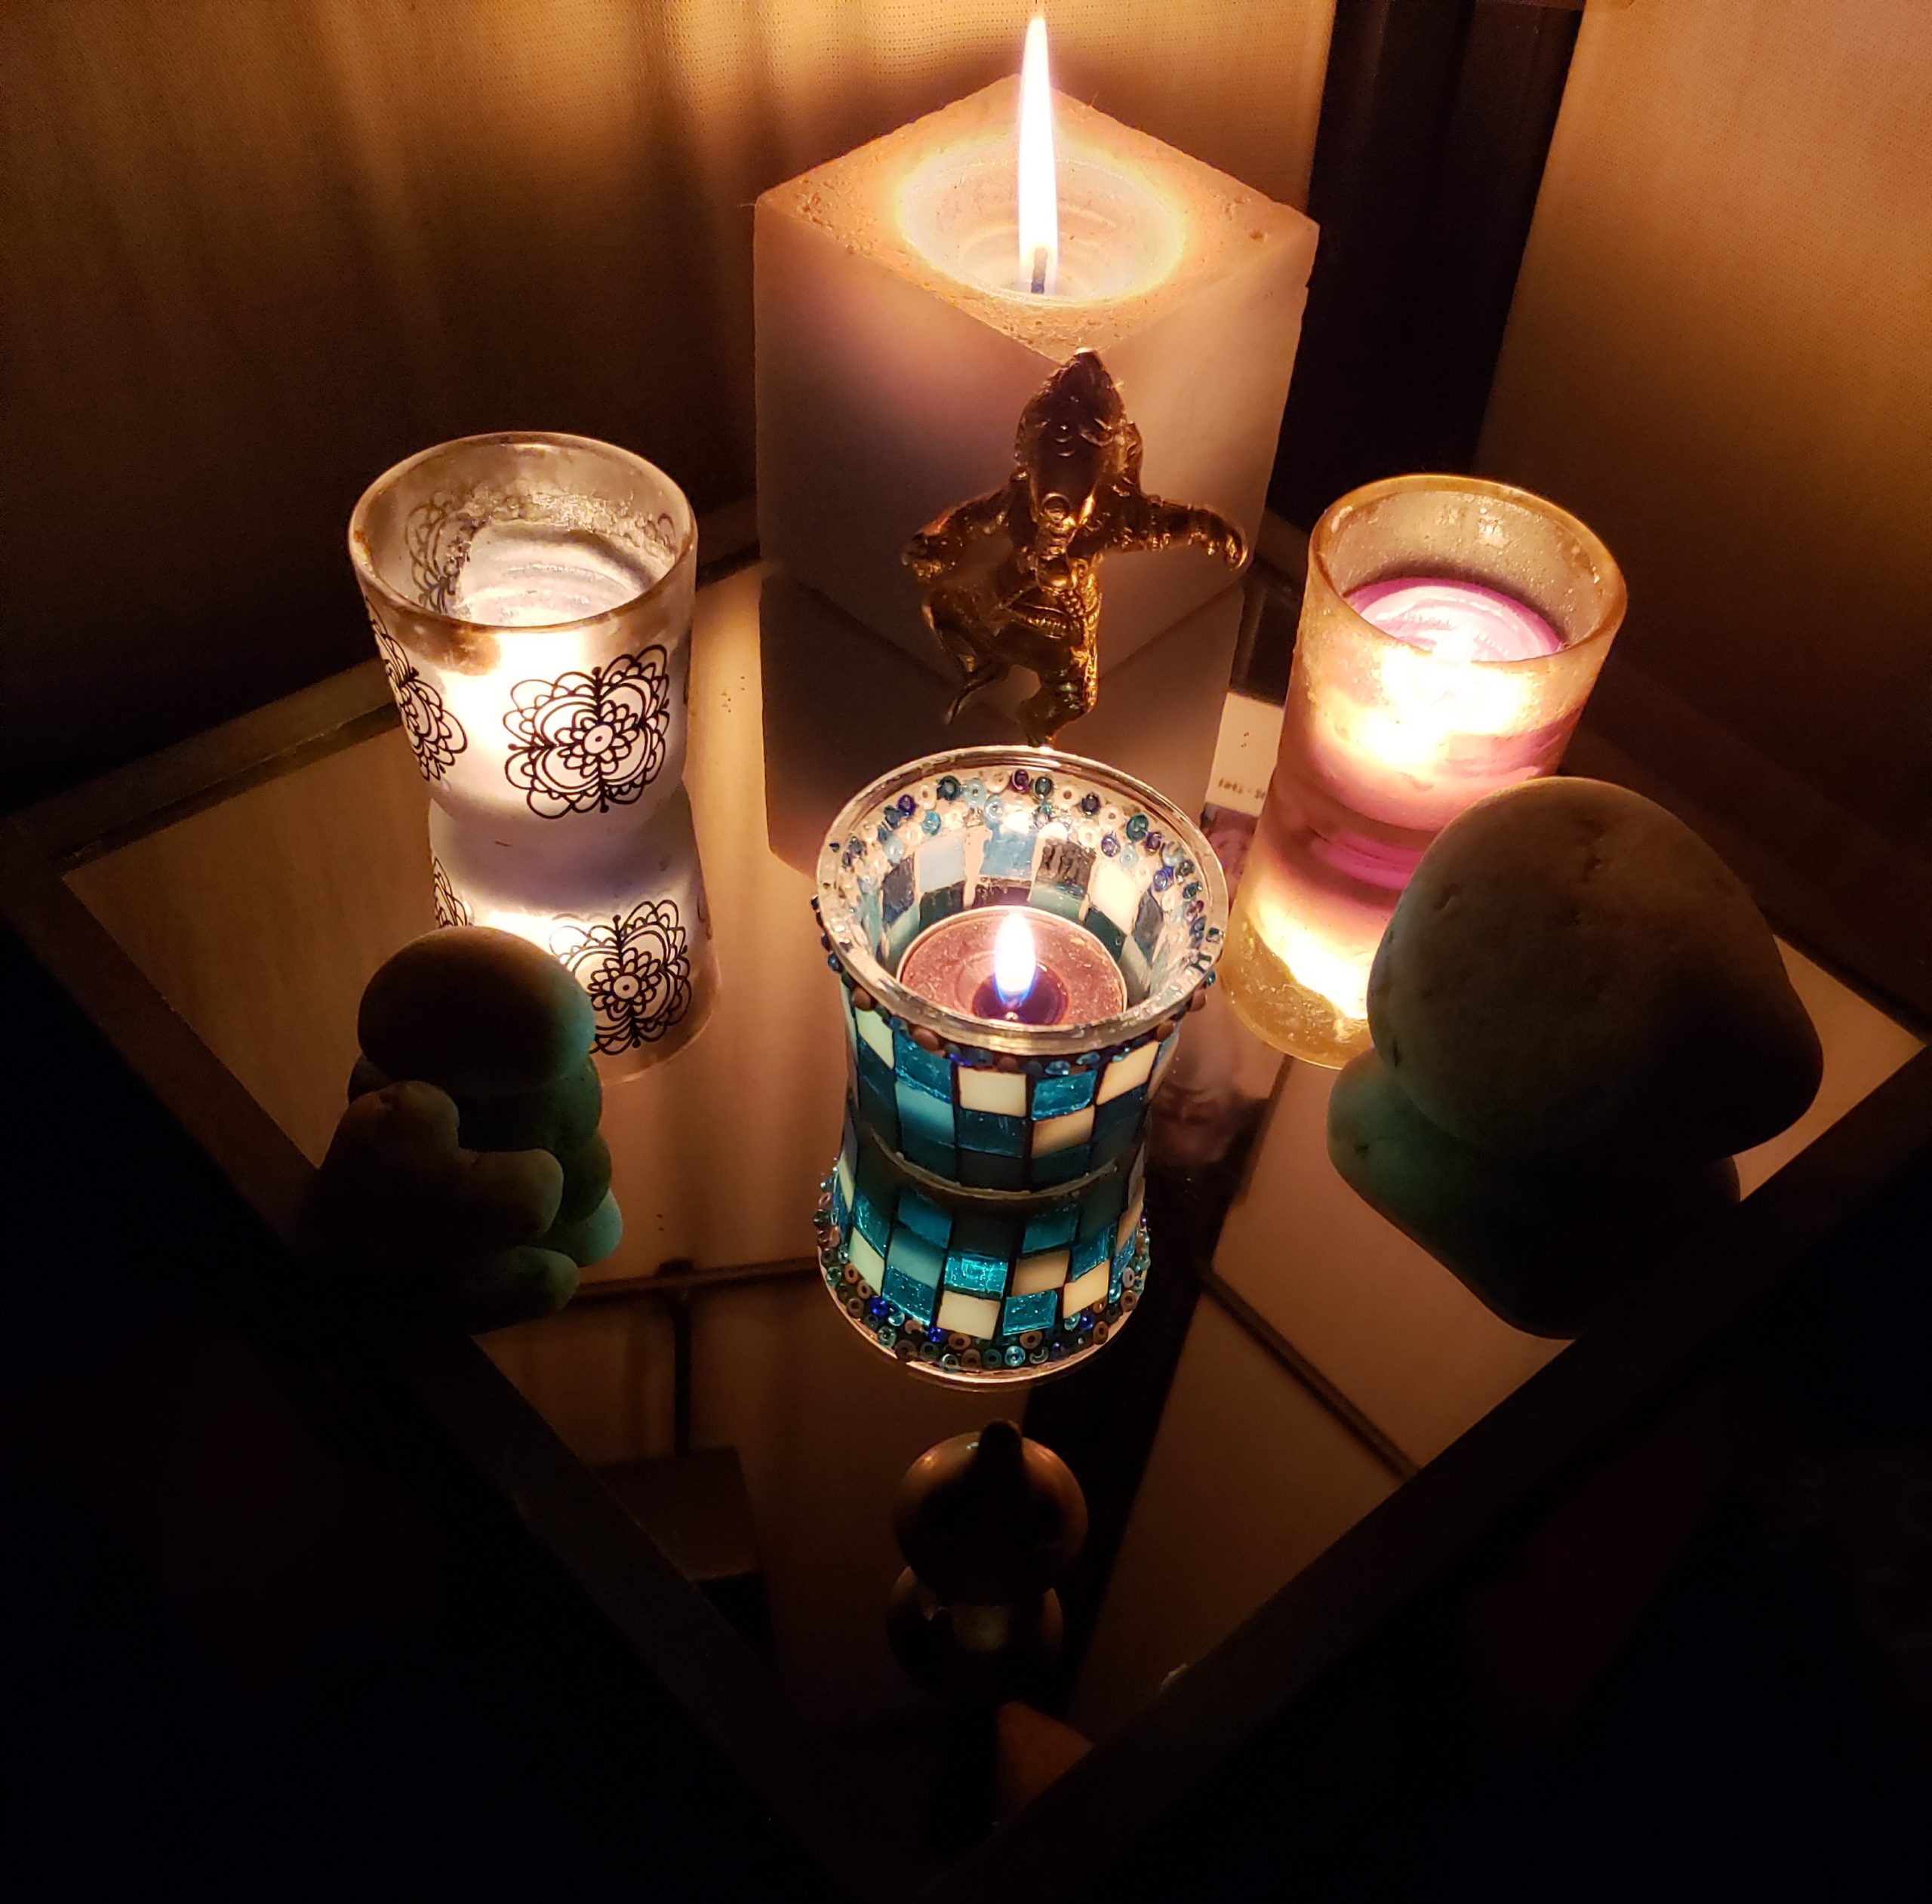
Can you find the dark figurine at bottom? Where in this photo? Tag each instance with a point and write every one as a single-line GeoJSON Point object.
{"type": "Point", "coordinates": [1074, 495]}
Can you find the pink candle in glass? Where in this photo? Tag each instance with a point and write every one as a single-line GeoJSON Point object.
{"type": "Point", "coordinates": [1462, 621]}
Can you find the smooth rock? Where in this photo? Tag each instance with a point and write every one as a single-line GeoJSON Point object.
{"type": "Point", "coordinates": [476, 1012]}
{"type": "Point", "coordinates": [396, 1185]}
{"type": "Point", "coordinates": [1544, 1246]}
{"type": "Point", "coordinates": [558, 1119]}
{"type": "Point", "coordinates": [1573, 972]}
{"type": "Point", "coordinates": [590, 1239]}
{"type": "Point", "coordinates": [513, 1286]}
{"type": "Point", "coordinates": [586, 1179]}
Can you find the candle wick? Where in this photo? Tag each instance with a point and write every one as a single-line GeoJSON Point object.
{"type": "Point", "coordinates": [1039, 271]}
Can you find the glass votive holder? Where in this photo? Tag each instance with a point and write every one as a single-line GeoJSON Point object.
{"type": "Point", "coordinates": [982, 1221]}
{"type": "Point", "coordinates": [1451, 631]}
{"type": "Point", "coordinates": [531, 599]}
{"type": "Point", "coordinates": [624, 913]}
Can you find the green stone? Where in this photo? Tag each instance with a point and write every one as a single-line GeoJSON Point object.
{"type": "Point", "coordinates": [586, 1179]}
{"type": "Point", "coordinates": [476, 1012]}
{"type": "Point", "coordinates": [1573, 972]}
{"type": "Point", "coordinates": [1545, 1246]}
{"type": "Point", "coordinates": [513, 1286]}
{"type": "Point", "coordinates": [591, 1238]}
{"type": "Point", "coordinates": [559, 1118]}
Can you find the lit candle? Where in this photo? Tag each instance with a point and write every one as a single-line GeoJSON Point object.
{"type": "Point", "coordinates": [1038, 189]}
{"type": "Point", "coordinates": [1014, 965]}
{"type": "Point", "coordinates": [913, 295]}
{"type": "Point", "coordinates": [1461, 621]}
{"type": "Point", "coordinates": [1411, 697]}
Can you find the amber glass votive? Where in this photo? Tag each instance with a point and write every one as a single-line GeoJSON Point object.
{"type": "Point", "coordinates": [1451, 631]}
{"type": "Point", "coordinates": [983, 1221]}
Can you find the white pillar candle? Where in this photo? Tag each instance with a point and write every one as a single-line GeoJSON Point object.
{"type": "Point", "coordinates": [899, 336]}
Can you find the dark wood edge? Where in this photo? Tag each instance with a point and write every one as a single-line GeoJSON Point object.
{"type": "Point", "coordinates": [1570, 1408]}
{"type": "Point", "coordinates": [663, 1620]}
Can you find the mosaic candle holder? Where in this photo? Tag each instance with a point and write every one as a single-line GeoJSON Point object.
{"type": "Point", "coordinates": [983, 1220]}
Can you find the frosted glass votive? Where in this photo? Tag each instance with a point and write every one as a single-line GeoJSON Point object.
{"type": "Point", "coordinates": [530, 596]}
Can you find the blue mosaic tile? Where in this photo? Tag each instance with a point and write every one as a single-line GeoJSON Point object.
{"type": "Point", "coordinates": [977, 1234]}
{"type": "Point", "coordinates": [912, 1254]}
{"type": "Point", "coordinates": [982, 1275]}
{"type": "Point", "coordinates": [915, 1298]}
{"type": "Point", "coordinates": [896, 891]}
{"type": "Point", "coordinates": [879, 1108]}
{"type": "Point", "coordinates": [1008, 856]}
{"type": "Point", "coordinates": [920, 1111]}
{"type": "Point", "coordinates": [1090, 1251]}
{"type": "Point", "coordinates": [1054, 1097]}
{"type": "Point", "coordinates": [1063, 1166]}
{"type": "Point", "coordinates": [875, 1220]}
{"type": "Point", "coordinates": [1038, 1310]}
{"type": "Point", "coordinates": [987, 1170]}
{"type": "Point", "coordinates": [1104, 929]}
{"type": "Point", "coordinates": [925, 1218]}
{"type": "Point", "coordinates": [941, 905]}
{"type": "Point", "coordinates": [1117, 1125]}
{"type": "Point", "coordinates": [1147, 923]}
{"type": "Point", "coordinates": [898, 935]}
{"type": "Point", "coordinates": [927, 1070]}
{"type": "Point", "coordinates": [1056, 899]}
{"type": "Point", "coordinates": [929, 1153]}
{"type": "Point", "coordinates": [1050, 1230]}
{"type": "Point", "coordinates": [873, 1069]}
{"type": "Point", "coordinates": [988, 1130]}
{"type": "Point", "coordinates": [1101, 1204]}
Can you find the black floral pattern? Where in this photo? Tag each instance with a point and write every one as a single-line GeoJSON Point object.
{"type": "Point", "coordinates": [588, 741]}
{"type": "Point", "coordinates": [451, 910]}
{"type": "Point", "coordinates": [435, 735]}
{"type": "Point", "coordinates": [636, 969]}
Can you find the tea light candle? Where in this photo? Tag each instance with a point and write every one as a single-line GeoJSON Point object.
{"type": "Point", "coordinates": [1411, 697]}
{"type": "Point", "coordinates": [1015, 965]}
{"type": "Point", "coordinates": [909, 301]}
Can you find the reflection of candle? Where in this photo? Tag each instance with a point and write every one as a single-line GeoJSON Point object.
{"type": "Point", "coordinates": [897, 317]}
{"type": "Point", "coordinates": [1015, 965]}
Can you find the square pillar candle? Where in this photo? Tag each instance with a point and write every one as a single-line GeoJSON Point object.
{"type": "Point", "coordinates": [901, 331]}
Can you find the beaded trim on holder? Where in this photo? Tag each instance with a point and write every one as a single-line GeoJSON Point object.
{"type": "Point", "coordinates": [1049, 831]}
{"type": "Point", "coordinates": [1024, 1355]}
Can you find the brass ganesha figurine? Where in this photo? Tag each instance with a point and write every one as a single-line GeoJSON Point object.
{"type": "Point", "coordinates": [1074, 496]}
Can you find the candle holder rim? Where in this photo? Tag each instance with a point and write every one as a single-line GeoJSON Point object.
{"type": "Point", "coordinates": [1132, 1025]}
{"type": "Point", "coordinates": [1605, 567]}
{"type": "Point", "coordinates": [367, 571]}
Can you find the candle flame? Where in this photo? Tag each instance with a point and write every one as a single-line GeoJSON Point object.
{"type": "Point", "coordinates": [1014, 963]}
{"type": "Point", "coordinates": [1039, 189]}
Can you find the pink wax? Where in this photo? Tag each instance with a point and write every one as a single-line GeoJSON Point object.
{"type": "Point", "coordinates": [1462, 621]}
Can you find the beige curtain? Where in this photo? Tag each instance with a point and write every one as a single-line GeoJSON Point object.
{"type": "Point", "coordinates": [257, 249]}
{"type": "Point", "coordinates": [1721, 356]}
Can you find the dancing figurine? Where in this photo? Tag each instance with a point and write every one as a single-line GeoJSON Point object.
{"type": "Point", "coordinates": [1074, 495]}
